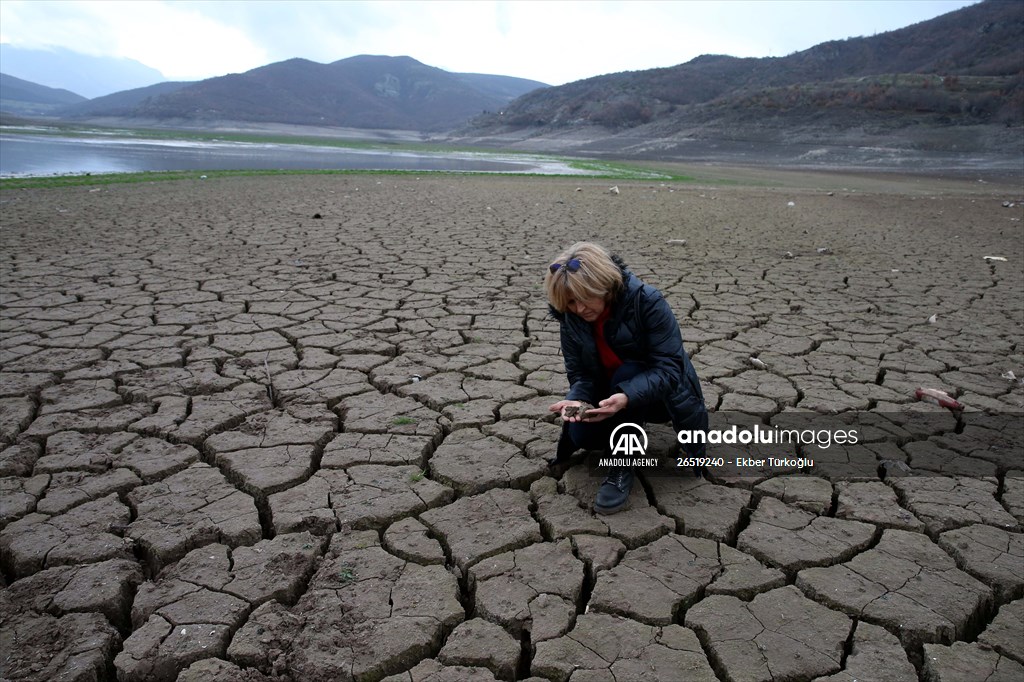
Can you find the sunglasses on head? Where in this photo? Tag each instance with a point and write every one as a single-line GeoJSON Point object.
{"type": "Point", "coordinates": [571, 265]}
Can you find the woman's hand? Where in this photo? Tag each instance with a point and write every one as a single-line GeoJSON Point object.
{"type": "Point", "coordinates": [607, 407]}
{"type": "Point", "coordinates": [560, 408]}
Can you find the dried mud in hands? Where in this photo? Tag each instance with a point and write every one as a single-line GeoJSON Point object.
{"type": "Point", "coordinates": [238, 442]}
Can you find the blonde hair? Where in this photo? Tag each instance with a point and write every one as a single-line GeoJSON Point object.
{"type": "Point", "coordinates": [598, 276]}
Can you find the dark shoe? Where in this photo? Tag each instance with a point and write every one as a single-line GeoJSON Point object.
{"type": "Point", "coordinates": [614, 492]}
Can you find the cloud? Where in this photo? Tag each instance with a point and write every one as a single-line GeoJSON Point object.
{"type": "Point", "coordinates": [174, 38]}
{"type": "Point", "coordinates": [555, 41]}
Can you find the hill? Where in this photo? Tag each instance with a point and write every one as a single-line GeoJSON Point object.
{"type": "Point", "coordinates": [367, 91]}
{"type": "Point", "coordinates": [121, 103]}
{"type": "Point", "coordinates": [24, 98]}
{"type": "Point", "coordinates": [961, 70]}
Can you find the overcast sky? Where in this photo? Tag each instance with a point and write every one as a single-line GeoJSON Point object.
{"type": "Point", "coordinates": [545, 40]}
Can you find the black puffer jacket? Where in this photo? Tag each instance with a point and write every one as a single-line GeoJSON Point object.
{"type": "Point", "coordinates": [641, 328]}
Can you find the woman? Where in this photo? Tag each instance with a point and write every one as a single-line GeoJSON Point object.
{"type": "Point", "coordinates": [623, 355]}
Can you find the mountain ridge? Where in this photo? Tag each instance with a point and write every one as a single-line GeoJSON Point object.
{"type": "Point", "coordinates": [365, 91]}
{"type": "Point", "coordinates": [84, 74]}
{"type": "Point", "coordinates": [953, 84]}
{"type": "Point", "coordinates": [929, 75]}
{"type": "Point", "coordinates": [25, 98]}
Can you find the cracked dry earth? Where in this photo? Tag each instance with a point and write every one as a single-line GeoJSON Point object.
{"type": "Point", "coordinates": [240, 442]}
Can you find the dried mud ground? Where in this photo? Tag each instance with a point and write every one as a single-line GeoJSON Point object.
{"type": "Point", "coordinates": [295, 428]}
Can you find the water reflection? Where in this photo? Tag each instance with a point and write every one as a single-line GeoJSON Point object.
{"type": "Point", "coordinates": [22, 154]}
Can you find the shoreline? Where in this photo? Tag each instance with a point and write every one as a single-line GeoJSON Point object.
{"type": "Point", "coordinates": [754, 157]}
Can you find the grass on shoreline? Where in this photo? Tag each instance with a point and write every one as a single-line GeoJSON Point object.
{"type": "Point", "coordinates": [397, 144]}
{"type": "Point", "coordinates": [604, 171]}
{"type": "Point", "coordinates": [594, 168]}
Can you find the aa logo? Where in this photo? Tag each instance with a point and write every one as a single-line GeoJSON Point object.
{"type": "Point", "coordinates": [629, 440]}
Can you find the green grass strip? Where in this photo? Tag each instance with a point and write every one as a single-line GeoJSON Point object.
{"type": "Point", "coordinates": [605, 172]}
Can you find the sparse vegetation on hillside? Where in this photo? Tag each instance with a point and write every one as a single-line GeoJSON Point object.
{"type": "Point", "coordinates": [958, 99]}
{"type": "Point", "coordinates": [963, 68]}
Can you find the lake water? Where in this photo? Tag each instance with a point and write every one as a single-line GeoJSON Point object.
{"type": "Point", "coordinates": [24, 154]}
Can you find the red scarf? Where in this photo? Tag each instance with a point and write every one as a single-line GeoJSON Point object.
{"type": "Point", "coordinates": [609, 359]}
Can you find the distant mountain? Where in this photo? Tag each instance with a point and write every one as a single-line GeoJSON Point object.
{"type": "Point", "coordinates": [360, 92]}
{"type": "Point", "coordinates": [121, 103]}
{"type": "Point", "coordinates": [965, 68]}
{"type": "Point", "coordinates": [87, 75]}
{"type": "Point", "coordinates": [25, 98]}
{"type": "Point", "coordinates": [505, 88]}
